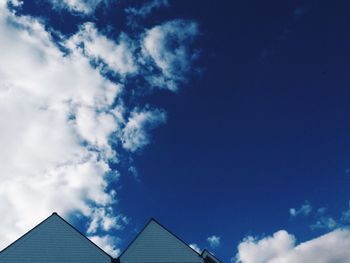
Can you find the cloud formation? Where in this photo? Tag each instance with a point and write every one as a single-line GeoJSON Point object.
{"type": "Point", "coordinates": [163, 45]}
{"type": "Point", "coordinates": [136, 14]}
{"type": "Point", "coordinates": [325, 222]}
{"type": "Point", "coordinates": [135, 133]}
{"type": "Point", "coordinates": [84, 7]}
{"type": "Point", "coordinates": [214, 241]}
{"type": "Point", "coordinates": [281, 248]}
{"type": "Point", "coordinates": [146, 8]}
{"type": "Point", "coordinates": [108, 243]}
{"type": "Point", "coordinates": [62, 121]}
{"type": "Point", "coordinates": [117, 57]}
{"type": "Point", "coordinates": [305, 209]}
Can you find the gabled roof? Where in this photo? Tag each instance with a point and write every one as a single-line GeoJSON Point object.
{"type": "Point", "coordinates": [155, 243]}
{"type": "Point", "coordinates": [54, 239]}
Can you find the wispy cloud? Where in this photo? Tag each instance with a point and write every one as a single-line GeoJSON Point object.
{"type": "Point", "coordinates": [345, 217]}
{"type": "Point", "coordinates": [305, 209]}
{"type": "Point", "coordinates": [325, 222]}
{"type": "Point", "coordinates": [64, 120]}
{"type": "Point", "coordinates": [163, 46]}
{"type": "Point", "coordinates": [136, 14]}
{"type": "Point", "coordinates": [135, 132]}
{"type": "Point", "coordinates": [214, 241]}
{"type": "Point", "coordinates": [146, 8]}
{"type": "Point", "coordinates": [84, 7]}
{"type": "Point", "coordinates": [322, 220]}
{"type": "Point", "coordinates": [134, 172]}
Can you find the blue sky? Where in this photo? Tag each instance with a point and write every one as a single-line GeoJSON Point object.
{"type": "Point", "coordinates": [231, 120]}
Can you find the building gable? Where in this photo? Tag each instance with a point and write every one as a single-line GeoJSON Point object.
{"type": "Point", "coordinates": [53, 241]}
{"type": "Point", "coordinates": [209, 257]}
{"type": "Point", "coordinates": [155, 244]}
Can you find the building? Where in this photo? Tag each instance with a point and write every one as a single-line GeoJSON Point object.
{"type": "Point", "coordinates": [56, 241]}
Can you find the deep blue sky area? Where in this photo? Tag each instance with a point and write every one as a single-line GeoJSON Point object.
{"type": "Point", "coordinates": [262, 125]}
{"type": "Point", "coordinates": [265, 127]}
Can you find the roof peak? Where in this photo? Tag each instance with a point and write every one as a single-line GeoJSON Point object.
{"type": "Point", "coordinates": [56, 217]}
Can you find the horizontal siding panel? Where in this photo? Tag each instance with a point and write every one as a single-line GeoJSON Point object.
{"type": "Point", "coordinates": [157, 245]}
{"type": "Point", "coordinates": [53, 241]}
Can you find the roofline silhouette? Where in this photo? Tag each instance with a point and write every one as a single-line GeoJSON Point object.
{"type": "Point", "coordinates": [117, 259]}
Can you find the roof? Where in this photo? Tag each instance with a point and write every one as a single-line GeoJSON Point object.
{"type": "Point", "coordinates": [155, 243]}
{"type": "Point", "coordinates": [49, 239]}
{"type": "Point", "coordinates": [209, 257]}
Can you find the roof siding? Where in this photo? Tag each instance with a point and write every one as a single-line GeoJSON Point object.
{"type": "Point", "coordinates": [53, 241]}
{"type": "Point", "coordinates": [157, 245]}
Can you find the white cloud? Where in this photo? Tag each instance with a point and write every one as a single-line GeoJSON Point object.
{"type": "Point", "coordinates": [262, 251]}
{"type": "Point", "coordinates": [305, 209]}
{"type": "Point", "coordinates": [42, 155]}
{"type": "Point", "coordinates": [281, 248]}
{"type": "Point", "coordinates": [104, 219]}
{"type": "Point", "coordinates": [78, 6]}
{"type": "Point", "coordinates": [58, 118]}
{"type": "Point", "coordinates": [214, 241]}
{"type": "Point", "coordinates": [167, 46]}
{"type": "Point", "coordinates": [118, 57]}
{"type": "Point", "coordinates": [135, 133]}
{"type": "Point", "coordinates": [107, 243]}
{"type": "Point", "coordinates": [195, 247]}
